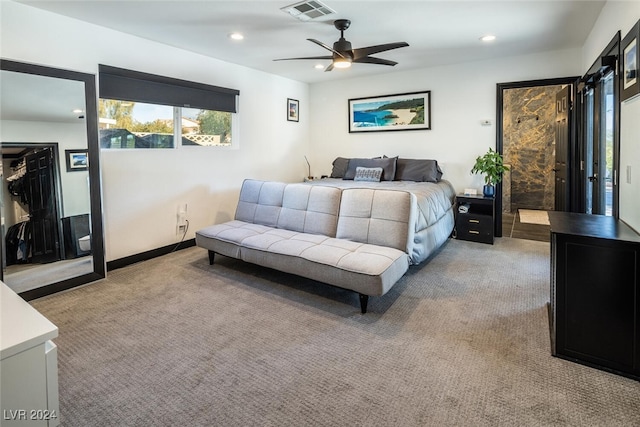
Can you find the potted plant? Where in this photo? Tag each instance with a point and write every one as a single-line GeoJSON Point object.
{"type": "Point", "coordinates": [492, 167]}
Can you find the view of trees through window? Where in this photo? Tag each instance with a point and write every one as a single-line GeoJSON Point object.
{"type": "Point", "coordinates": [125, 124]}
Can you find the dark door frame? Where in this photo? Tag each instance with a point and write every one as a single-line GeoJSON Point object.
{"type": "Point", "coordinates": [501, 87]}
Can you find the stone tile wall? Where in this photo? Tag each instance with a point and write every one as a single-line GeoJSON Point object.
{"type": "Point", "coordinates": [529, 147]}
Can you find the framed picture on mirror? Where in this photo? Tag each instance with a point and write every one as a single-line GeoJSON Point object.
{"type": "Point", "coordinates": [77, 160]}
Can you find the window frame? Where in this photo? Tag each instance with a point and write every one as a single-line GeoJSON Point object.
{"type": "Point", "coordinates": [124, 85]}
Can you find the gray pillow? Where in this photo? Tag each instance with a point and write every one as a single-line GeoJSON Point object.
{"type": "Point", "coordinates": [340, 165]}
{"type": "Point", "coordinates": [419, 170]}
{"type": "Point", "coordinates": [388, 166]}
{"type": "Point", "coordinates": [368, 174]}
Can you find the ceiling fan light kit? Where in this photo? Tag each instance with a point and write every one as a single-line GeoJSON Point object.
{"type": "Point", "coordinates": [342, 62]}
{"type": "Point", "coordinates": [343, 55]}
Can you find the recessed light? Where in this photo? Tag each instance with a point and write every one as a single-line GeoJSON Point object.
{"type": "Point", "coordinates": [319, 67]}
{"type": "Point", "coordinates": [236, 36]}
{"type": "Point", "coordinates": [78, 111]}
{"type": "Point", "coordinates": [488, 38]}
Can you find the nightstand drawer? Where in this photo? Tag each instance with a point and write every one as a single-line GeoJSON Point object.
{"type": "Point", "coordinates": [474, 221]}
{"type": "Point", "coordinates": [476, 228]}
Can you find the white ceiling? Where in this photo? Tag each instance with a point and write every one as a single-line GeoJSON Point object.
{"type": "Point", "coordinates": [30, 97]}
{"type": "Point", "coordinates": [438, 32]}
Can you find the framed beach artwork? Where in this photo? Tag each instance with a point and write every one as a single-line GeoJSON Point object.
{"type": "Point", "coordinates": [403, 111]}
{"type": "Point", "coordinates": [293, 106]}
{"type": "Point", "coordinates": [77, 160]}
{"type": "Point", "coordinates": [629, 85]}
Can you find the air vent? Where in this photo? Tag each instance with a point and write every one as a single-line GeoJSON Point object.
{"type": "Point", "coordinates": [308, 10]}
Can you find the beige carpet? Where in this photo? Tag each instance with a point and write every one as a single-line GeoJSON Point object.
{"type": "Point", "coordinates": [461, 340]}
{"type": "Point", "coordinates": [530, 216]}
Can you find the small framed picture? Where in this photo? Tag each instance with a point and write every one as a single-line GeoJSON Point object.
{"type": "Point", "coordinates": [293, 106]}
{"type": "Point", "coordinates": [629, 85]}
{"type": "Point", "coordinates": [77, 160]}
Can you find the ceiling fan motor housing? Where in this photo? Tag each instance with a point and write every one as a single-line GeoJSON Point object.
{"type": "Point", "coordinates": [344, 47]}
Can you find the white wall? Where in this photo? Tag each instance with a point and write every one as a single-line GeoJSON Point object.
{"type": "Point", "coordinates": [75, 189]}
{"type": "Point", "coordinates": [630, 163]}
{"type": "Point", "coordinates": [462, 96]}
{"type": "Point", "coordinates": [616, 15]}
{"type": "Point", "coordinates": [142, 189]}
{"type": "Point", "coordinates": [621, 15]}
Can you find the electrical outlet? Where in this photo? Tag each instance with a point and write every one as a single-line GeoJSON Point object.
{"type": "Point", "coordinates": [182, 214]}
{"type": "Point", "coordinates": [181, 219]}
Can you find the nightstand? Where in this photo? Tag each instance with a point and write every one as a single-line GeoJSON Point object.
{"type": "Point", "coordinates": [476, 224]}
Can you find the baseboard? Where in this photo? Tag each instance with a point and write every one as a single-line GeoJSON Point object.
{"type": "Point", "coordinates": [144, 256]}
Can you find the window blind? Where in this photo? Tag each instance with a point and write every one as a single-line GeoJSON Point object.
{"type": "Point", "coordinates": [135, 86]}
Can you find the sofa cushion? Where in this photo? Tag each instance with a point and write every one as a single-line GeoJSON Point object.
{"type": "Point", "coordinates": [364, 268]}
{"type": "Point", "coordinates": [227, 238]}
{"type": "Point", "coordinates": [260, 202]}
{"type": "Point", "coordinates": [378, 217]}
{"type": "Point", "coordinates": [310, 209]}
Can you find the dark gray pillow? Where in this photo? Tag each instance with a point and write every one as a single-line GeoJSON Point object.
{"type": "Point", "coordinates": [340, 165]}
{"type": "Point", "coordinates": [388, 166]}
{"type": "Point", "coordinates": [419, 170]}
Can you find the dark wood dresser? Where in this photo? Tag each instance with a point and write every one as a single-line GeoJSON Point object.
{"type": "Point", "coordinates": [595, 292]}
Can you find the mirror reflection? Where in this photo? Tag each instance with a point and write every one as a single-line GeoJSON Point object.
{"type": "Point", "coordinates": [46, 204]}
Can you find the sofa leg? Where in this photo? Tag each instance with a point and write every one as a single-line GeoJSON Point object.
{"type": "Point", "coordinates": [364, 300]}
{"type": "Point", "coordinates": [211, 256]}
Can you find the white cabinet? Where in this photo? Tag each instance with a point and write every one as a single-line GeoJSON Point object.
{"type": "Point", "coordinates": [28, 365]}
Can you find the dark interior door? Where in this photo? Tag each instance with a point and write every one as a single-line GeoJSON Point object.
{"type": "Point", "coordinates": [43, 210]}
{"type": "Point", "coordinates": [562, 133]}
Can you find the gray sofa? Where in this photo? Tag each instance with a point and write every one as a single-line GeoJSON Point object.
{"type": "Point", "coordinates": [347, 237]}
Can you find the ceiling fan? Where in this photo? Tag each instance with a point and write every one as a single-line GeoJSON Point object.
{"type": "Point", "coordinates": [343, 55]}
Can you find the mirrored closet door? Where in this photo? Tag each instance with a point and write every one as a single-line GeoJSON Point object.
{"type": "Point", "coordinates": [52, 236]}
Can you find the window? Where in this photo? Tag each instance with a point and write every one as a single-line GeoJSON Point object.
{"type": "Point", "coordinates": [139, 110]}
{"type": "Point", "coordinates": [125, 124]}
{"type": "Point", "coordinates": [206, 127]}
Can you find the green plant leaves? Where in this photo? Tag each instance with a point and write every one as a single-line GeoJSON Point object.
{"type": "Point", "coordinates": [491, 165]}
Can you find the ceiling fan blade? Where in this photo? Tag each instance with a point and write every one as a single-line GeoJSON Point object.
{"type": "Point", "coordinates": [329, 67]}
{"type": "Point", "coordinates": [304, 57]}
{"type": "Point", "coordinates": [370, 50]}
{"type": "Point", "coordinates": [329, 48]}
{"type": "Point", "coordinates": [373, 60]}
